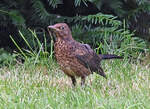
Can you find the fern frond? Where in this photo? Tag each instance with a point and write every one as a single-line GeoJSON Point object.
{"type": "Point", "coordinates": [44, 16]}
{"type": "Point", "coordinates": [78, 2]}
{"type": "Point", "coordinates": [54, 3]}
{"type": "Point", "coordinates": [102, 19]}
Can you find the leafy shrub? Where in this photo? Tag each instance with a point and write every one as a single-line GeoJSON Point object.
{"type": "Point", "coordinates": [109, 36]}
{"type": "Point", "coordinates": [6, 58]}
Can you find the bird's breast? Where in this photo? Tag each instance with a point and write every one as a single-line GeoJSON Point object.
{"type": "Point", "coordinates": [62, 52]}
{"type": "Point", "coordinates": [65, 53]}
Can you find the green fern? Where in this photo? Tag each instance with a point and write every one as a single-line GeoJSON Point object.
{"type": "Point", "coordinates": [100, 18]}
{"type": "Point", "coordinates": [78, 2]}
{"type": "Point", "coordinates": [54, 3]}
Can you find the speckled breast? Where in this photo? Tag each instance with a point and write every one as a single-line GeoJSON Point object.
{"type": "Point", "coordinates": [66, 59]}
{"type": "Point", "coordinates": [62, 57]}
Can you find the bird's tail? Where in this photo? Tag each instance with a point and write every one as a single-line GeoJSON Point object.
{"type": "Point", "coordinates": [110, 56]}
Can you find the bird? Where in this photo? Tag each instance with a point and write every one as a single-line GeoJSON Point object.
{"type": "Point", "coordinates": [74, 58]}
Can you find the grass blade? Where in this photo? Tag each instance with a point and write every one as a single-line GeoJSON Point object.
{"type": "Point", "coordinates": [18, 47]}
{"type": "Point", "coordinates": [34, 34]}
{"type": "Point", "coordinates": [26, 41]}
{"type": "Point", "coordinates": [38, 54]}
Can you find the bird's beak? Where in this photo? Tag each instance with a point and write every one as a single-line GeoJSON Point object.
{"type": "Point", "coordinates": [51, 28]}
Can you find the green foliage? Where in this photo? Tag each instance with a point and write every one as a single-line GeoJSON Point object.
{"type": "Point", "coordinates": [78, 2]}
{"type": "Point", "coordinates": [101, 18]}
{"type": "Point", "coordinates": [54, 3]}
{"type": "Point", "coordinates": [6, 58]}
{"type": "Point", "coordinates": [38, 52]}
{"type": "Point", "coordinates": [108, 37]}
{"type": "Point", "coordinates": [41, 13]}
{"type": "Point", "coordinates": [97, 29]}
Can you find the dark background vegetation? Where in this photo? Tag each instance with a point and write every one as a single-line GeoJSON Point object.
{"type": "Point", "coordinates": [88, 19]}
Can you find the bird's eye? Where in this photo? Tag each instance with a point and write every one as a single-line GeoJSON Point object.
{"type": "Point", "coordinates": [62, 27]}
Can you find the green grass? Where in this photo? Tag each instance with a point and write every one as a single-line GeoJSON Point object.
{"type": "Point", "coordinates": [40, 86]}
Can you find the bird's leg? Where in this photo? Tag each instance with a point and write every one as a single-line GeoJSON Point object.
{"type": "Point", "coordinates": [73, 80]}
{"type": "Point", "coordinates": [82, 80]}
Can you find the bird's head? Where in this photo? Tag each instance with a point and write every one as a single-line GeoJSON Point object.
{"type": "Point", "coordinates": [61, 31]}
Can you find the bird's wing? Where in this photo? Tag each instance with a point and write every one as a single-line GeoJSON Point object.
{"type": "Point", "coordinates": [87, 57]}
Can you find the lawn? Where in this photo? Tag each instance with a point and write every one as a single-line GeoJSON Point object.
{"type": "Point", "coordinates": [29, 86]}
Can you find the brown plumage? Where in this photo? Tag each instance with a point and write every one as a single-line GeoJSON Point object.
{"type": "Point", "coordinates": [74, 58]}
